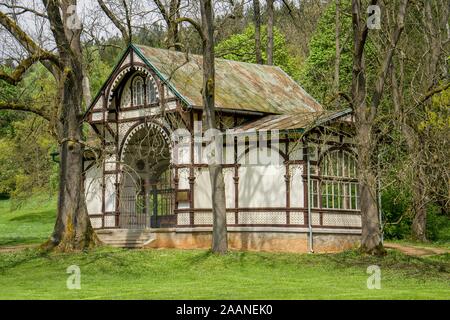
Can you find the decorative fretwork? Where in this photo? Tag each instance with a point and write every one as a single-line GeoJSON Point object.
{"type": "Point", "coordinates": [183, 219]}
{"type": "Point", "coordinates": [342, 220]}
{"type": "Point", "coordinates": [96, 222]}
{"type": "Point", "coordinates": [297, 218]}
{"type": "Point", "coordinates": [270, 218]}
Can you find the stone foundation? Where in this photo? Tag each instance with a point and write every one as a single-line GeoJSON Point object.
{"type": "Point", "coordinates": [270, 241]}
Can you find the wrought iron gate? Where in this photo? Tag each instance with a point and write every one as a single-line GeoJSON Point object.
{"type": "Point", "coordinates": [153, 208]}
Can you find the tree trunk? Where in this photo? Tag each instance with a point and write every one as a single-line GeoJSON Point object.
{"type": "Point", "coordinates": [257, 20]}
{"type": "Point", "coordinates": [371, 242]}
{"type": "Point", "coordinates": [420, 211]}
{"type": "Point", "coordinates": [270, 32]}
{"type": "Point", "coordinates": [73, 230]}
{"type": "Point", "coordinates": [219, 241]}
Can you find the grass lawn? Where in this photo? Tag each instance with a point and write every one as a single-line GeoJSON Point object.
{"type": "Point", "coordinates": [108, 273]}
{"type": "Point", "coordinates": [31, 223]}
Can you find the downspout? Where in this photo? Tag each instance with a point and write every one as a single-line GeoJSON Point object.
{"type": "Point", "coordinates": [308, 175]}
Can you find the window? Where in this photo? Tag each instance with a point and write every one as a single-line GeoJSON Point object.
{"type": "Point", "coordinates": [138, 91]}
{"type": "Point", "coordinates": [338, 186]}
{"type": "Point", "coordinates": [315, 193]}
{"type": "Point", "coordinates": [151, 90]}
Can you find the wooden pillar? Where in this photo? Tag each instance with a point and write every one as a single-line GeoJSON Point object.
{"type": "Point", "coordinates": [287, 178]}
{"type": "Point", "coordinates": [236, 194]}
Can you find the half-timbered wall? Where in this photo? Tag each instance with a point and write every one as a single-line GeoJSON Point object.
{"type": "Point", "coordinates": [269, 193]}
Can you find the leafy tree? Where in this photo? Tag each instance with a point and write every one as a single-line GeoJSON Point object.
{"type": "Point", "coordinates": [317, 73]}
{"type": "Point", "coordinates": [241, 47]}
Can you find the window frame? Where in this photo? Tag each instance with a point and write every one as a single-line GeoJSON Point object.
{"type": "Point", "coordinates": [134, 91]}
{"type": "Point", "coordinates": [338, 184]}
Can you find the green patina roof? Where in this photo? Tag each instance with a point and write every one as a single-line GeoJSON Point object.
{"type": "Point", "coordinates": [239, 85]}
{"type": "Point", "coordinates": [296, 121]}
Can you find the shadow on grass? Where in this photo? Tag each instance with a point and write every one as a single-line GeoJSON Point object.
{"type": "Point", "coordinates": [16, 241]}
{"type": "Point", "coordinates": [42, 217]}
{"type": "Point", "coordinates": [12, 260]}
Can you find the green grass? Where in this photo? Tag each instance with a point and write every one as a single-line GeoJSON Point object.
{"type": "Point", "coordinates": [31, 223]}
{"type": "Point", "coordinates": [108, 273]}
{"type": "Point", "coordinates": [197, 274]}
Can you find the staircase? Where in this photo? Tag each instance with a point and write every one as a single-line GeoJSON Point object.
{"type": "Point", "coordinates": [126, 238]}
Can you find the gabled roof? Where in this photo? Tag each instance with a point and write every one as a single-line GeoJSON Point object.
{"type": "Point", "coordinates": [239, 85]}
{"type": "Point", "coordinates": [301, 121]}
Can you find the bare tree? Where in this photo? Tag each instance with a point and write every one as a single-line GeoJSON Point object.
{"type": "Point", "coordinates": [365, 118]}
{"type": "Point", "coordinates": [427, 49]}
{"type": "Point", "coordinates": [170, 16]}
{"type": "Point", "coordinates": [125, 30]}
{"type": "Point", "coordinates": [206, 32]}
{"type": "Point", "coordinates": [73, 229]}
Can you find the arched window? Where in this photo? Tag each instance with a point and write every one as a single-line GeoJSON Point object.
{"type": "Point", "coordinates": [138, 91]}
{"type": "Point", "coordinates": [151, 90]}
{"type": "Point", "coordinates": [339, 185]}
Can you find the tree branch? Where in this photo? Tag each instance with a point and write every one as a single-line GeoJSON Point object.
{"type": "Point", "coordinates": [433, 92]}
{"type": "Point", "coordinates": [14, 106]}
{"type": "Point", "coordinates": [16, 76]}
{"type": "Point", "coordinates": [193, 23]}
{"type": "Point", "coordinates": [24, 9]}
{"type": "Point", "coordinates": [114, 20]}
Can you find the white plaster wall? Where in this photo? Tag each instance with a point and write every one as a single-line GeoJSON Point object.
{"type": "Point", "coordinates": [262, 186]}
{"type": "Point", "coordinates": [93, 189]}
{"type": "Point", "coordinates": [202, 189]}
{"type": "Point", "coordinates": [297, 187]}
{"type": "Point", "coordinates": [183, 176]}
{"type": "Point", "coordinates": [110, 193]}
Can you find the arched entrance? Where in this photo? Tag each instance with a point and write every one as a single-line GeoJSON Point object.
{"type": "Point", "coordinates": [146, 196]}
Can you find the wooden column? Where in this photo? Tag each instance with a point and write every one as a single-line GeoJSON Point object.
{"type": "Point", "coordinates": [287, 178]}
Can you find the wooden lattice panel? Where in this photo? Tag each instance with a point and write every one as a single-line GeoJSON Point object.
{"type": "Point", "coordinates": [110, 221]}
{"type": "Point", "coordinates": [297, 218]}
{"type": "Point", "coordinates": [315, 218]}
{"type": "Point", "coordinates": [203, 218]}
{"type": "Point", "coordinates": [96, 222]}
{"type": "Point", "coordinates": [262, 218]}
{"type": "Point", "coordinates": [183, 219]}
{"type": "Point", "coordinates": [341, 220]}
{"type": "Point", "coordinates": [206, 218]}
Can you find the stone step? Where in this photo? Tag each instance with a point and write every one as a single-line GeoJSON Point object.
{"type": "Point", "coordinates": [125, 238]}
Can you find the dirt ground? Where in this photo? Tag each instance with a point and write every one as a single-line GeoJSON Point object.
{"type": "Point", "coordinates": [414, 250]}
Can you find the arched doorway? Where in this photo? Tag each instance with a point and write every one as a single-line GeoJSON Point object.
{"type": "Point", "coordinates": [146, 196]}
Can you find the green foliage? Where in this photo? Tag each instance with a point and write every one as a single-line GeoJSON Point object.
{"type": "Point", "coordinates": [25, 163]}
{"type": "Point", "coordinates": [395, 207]}
{"type": "Point", "coordinates": [98, 69]}
{"type": "Point", "coordinates": [438, 225]}
{"type": "Point", "coordinates": [241, 47]}
{"type": "Point", "coordinates": [317, 73]}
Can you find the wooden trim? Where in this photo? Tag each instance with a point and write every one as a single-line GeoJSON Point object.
{"type": "Point", "coordinates": [271, 226]}
{"type": "Point", "coordinates": [287, 178]}
{"type": "Point", "coordinates": [274, 209]}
